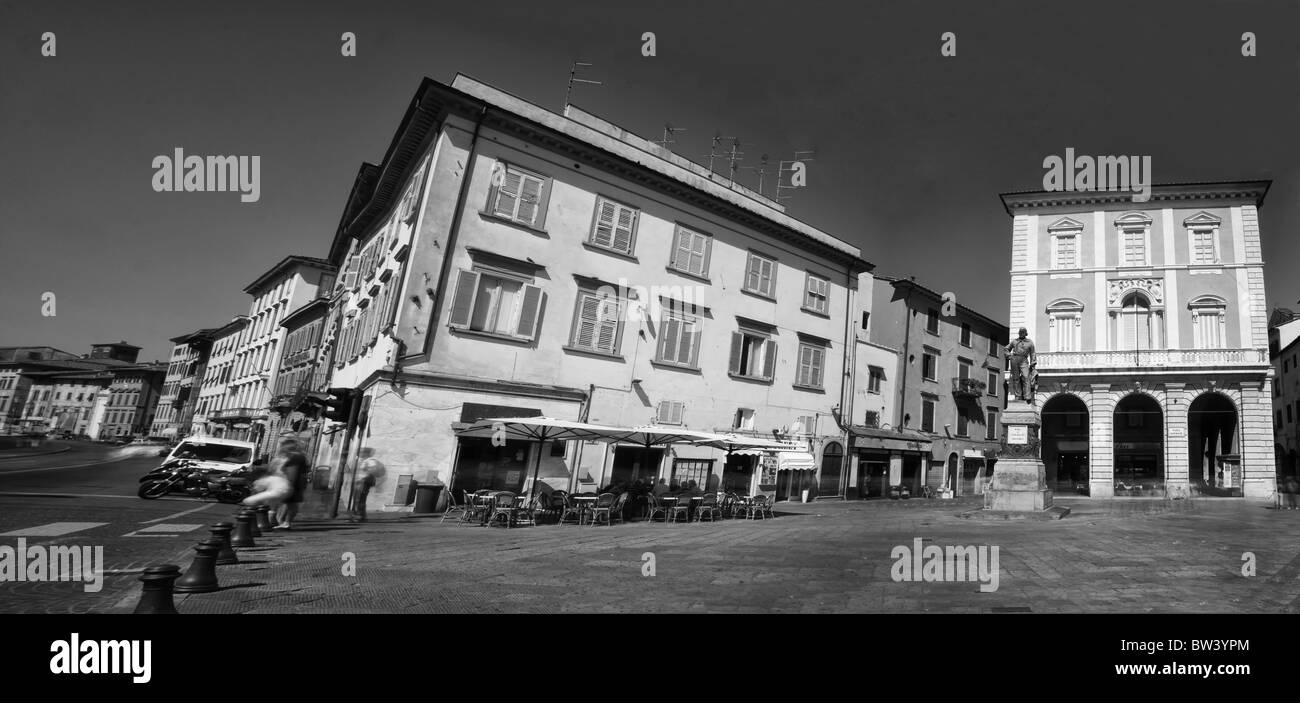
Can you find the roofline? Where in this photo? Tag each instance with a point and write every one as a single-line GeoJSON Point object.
{"type": "Point", "coordinates": [286, 263]}
{"type": "Point", "coordinates": [1163, 192]}
{"type": "Point", "coordinates": [205, 333]}
{"type": "Point", "coordinates": [124, 345]}
{"type": "Point", "coordinates": [304, 309]}
{"type": "Point", "coordinates": [896, 282]}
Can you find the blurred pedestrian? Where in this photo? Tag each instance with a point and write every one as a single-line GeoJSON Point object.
{"type": "Point", "coordinates": [368, 472]}
{"type": "Point", "coordinates": [290, 463]}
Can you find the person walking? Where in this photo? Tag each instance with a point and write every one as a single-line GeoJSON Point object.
{"type": "Point", "coordinates": [291, 463]}
{"type": "Point", "coordinates": [368, 473]}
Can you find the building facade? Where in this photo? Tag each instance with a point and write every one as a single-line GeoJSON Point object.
{"type": "Point", "coordinates": [179, 397]}
{"type": "Point", "coordinates": [215, 397]}
{"type": "Point", "coordinates": [132, 399]}
{"type": "Point", "coordinates": [1152, 335]}
{"type": "Point", "coordinates": [510, 261]}
{"type": "Point", "coordinates": [303, 375]}
{"type": "Point", "coordinates": [1284, 354]}
{"type": "Point", "coordinates": [946, 397]}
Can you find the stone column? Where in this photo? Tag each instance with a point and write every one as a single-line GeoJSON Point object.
{"type": "Point", "coordinates": [1255, 440]}
{"type": "Point", "coordinates": [1101, 442]}
{"type": "Point", "coordinates": [1177, 459]}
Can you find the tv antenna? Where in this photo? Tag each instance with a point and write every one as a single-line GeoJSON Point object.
{"type": "Point", "coordinates": [713, 149]}
{"type": "Point", "coordinates": [733, 157]}
{"type": "Point", "coordinates": [669, 131]}
{"type": "Point", "coordinates": [800, 157]}
{"type": "Point", "coordinates": [573, 78]}
{"type": "Point", "coordinates": [762, 171]}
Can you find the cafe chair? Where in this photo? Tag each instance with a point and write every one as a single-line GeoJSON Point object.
{"type": "Point", "coordinates": [503, 506]}
{"type": "Point", "coordinates": [708, 508]}
{"type": "Point", "coordinates": [454, 509]}
{"type": "Point", "coordinates": [681, 507]}
{"type": "Point", "coordinates": [654, 507]}
{"type": "Point", "coordinates": [570, 508]}
{"type": "Point", "coordinates": [604, 507]}
{"type": "Point", "coordinates": [475, 510]}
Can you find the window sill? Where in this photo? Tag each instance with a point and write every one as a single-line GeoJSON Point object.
{"type": "Point", "coordinates": [759, 295]}
{"type": "Point", "coordinates": [814, 311]}
{"type": "Point", "coordinates": [514, 223]}
{"type": "Point", "coordinates": [688, 274]}
{"type": "Point", "coordinates": [751, 379]}
{"type": "Point", "coordinates": [611, 252]}
{"type": "Point", "coordinates": [931, 380]}
{"type": "Point", "coordinates": [592, 352]}
{"type": "Point", "coordinates": [932, 333]}
{"type": "Point", "coordinates": [810, 389]}
{"type": "Point", "coordinates": [465, 331]}
{"type": "Point", "coordinates": [675, 367]}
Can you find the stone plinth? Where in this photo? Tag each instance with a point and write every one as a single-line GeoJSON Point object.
{"type": "Point", "coordinates": [1020, 481]}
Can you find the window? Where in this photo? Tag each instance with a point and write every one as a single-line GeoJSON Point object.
{"type": "Point", "coordinates": [1065, 249]}
{"type": "Point", "coordinates": [670, 412]}
{"type": "Point", "coordinates": [927, 415]}
{"type": "Point", "coordinates": [1288, 414]}
{"type": "Point", "coordinates": [691, 252]}
{"type": "Point", "coordinates": [812, 359]}
{"type": "Point", "coordinates": [965, 334]}
{"type": "Point", "coordinates": [753, 355]}
{"type": "Point", "coordinates": [518, 197]}
{"type": "Point", "coordinates": [760, 275]}
{"type": "Point", "coordinates": [679, 340]}
{"type": "Point", "coordinates": [993, 383]}
{"type": "Point", "coordinates": [597, 324]}
{"type": "Point", "coordinates": [1136, 328]}
{"type": "Point", "coordinates": [615, 226]}
{"type": "Point", "coordinates": [963, 369]}
{"type": "Point", "coordinates": [1209, 316]}
{"type": "Point", "coordinates": [496, 305]}
{"type": "Point", "coordinates": [876, 375]}
{"type": "Point", "coordinates": [929, 365]}
{"type": "Point", "coordinates": [932, 321]}
{"type": "Point", "coordinates": [1064, 323]}
{"type": "Point", "coordinates": [1278, 418]}
{"type": "Point", "coordinates": [963, 424]}
{"type": "Point", "coordinates": [1135, 251]}
{"type": "Point", "coordinates": [1204, 250]}
{"type": "Point", "coordinates": [692, 470]}
{"type": "Point", "coordinates": [816, 296]}
{"type": "Point", "coordinates": [871, 418]}
{"type": "Point", "coordinates": [744, 419]}
{"type": "Point", "coordinates": [991, 423]}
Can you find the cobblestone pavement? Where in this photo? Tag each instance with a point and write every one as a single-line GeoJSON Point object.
{"type": "Point", "coordinates": [1124, 555]}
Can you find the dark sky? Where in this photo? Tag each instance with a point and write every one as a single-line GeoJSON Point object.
{"type": "Point", "coordinates": [912, 148]}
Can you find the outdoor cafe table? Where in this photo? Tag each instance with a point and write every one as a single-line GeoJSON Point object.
{"type": "Point", "coordinates": [585, 506]}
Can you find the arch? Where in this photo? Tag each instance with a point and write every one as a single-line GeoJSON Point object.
{"type": "Point", "coordinates": [1133, 219]}
{"type": "Point", "coordinates": [1207, 301]}
{"type": "Point", "coordinates": [1065, 441]}
{"type": "Point", "coordinates": [831, 469]}
{"type": "Point", "coordinates": [1138, 433]}
{"type": "Point", "coordinates": [1213, 454]}
{"type": "Point", "coordinates": [952, 471]}
{"type": "Point", "coordinates": [1064, 305]}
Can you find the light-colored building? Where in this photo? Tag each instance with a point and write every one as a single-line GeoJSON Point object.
{"type": "Point", "coordinates": [934, 419]}
{"type": "Point", "coordinates": [1284, 353]}
{"type": "Point", "coordinates": [71, 398]}
{"type": "Point", "coordinates": [506, 260]}
{"type": "Point", "coordinates": [1152, 335]}
{"type": "Point", "coordinates": [179, 396]}
{"type": "Point", "coordinates": [303, 375]}
{"type": "Point", "coordinates": [132, 399]}
{"type": "Point", "coordinates": [216, 398]}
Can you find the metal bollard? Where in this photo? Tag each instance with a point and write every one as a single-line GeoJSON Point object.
{"type": "Point", "coordinates": [243, 535]}
{"type": "Point", "coordinates": [221, 533]}
{"type": "Point", "coordinates": [263, 518]}
{"type": "Point", "coordinates": [201, 577]}
{"type": "Point", "coordinates": [252, 513]}
{"type": "Point", "coordinates": [157, 596]}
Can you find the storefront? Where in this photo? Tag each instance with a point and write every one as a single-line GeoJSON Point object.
{"type": "Point", "coordinates": [889, 458]}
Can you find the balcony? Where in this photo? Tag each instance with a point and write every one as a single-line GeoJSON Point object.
{"type": "Point", "coordinates": [233, 413]}
{"type": "Point", "coordinates": [968, 387]}
{"type": "Point", "coordinates": [1167, 358]}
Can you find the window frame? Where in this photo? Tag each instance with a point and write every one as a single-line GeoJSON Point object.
{"type": "Point", "coordinates": [760, 258]}
{"type": "Point", "coordinates": [875, 378]}
{"type": "Point", "coordinates": [819, 368]}
{"type": "Point", "coordinates": [928, 404]}
{"type": "Point", "coordinates": [706, 255]}
{"type": "Point", "coordinates": [932, 320]}
{"type": "Point", "coordinates": [769, 345]}
{"type": "Point", "coordinates": [990, 423]}
{"type": "Point", "coordinates": [585, 292]}
{"type": "Point", "coordinates": [595, 225]}
{"type": "Point", "coordinates": [679, 319]}
{"type": "Point", "coordinates": [929, 353]}
{"type": "Point", "coordinates": [967, 336]}
{"type": "Point", "coordinates": [495, 189]}
{"type": "Point", "coordinates": [478, 272]}
{"type": "Point", "coordinates": [825, 308]}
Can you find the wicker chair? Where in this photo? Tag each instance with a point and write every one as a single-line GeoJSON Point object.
{"type": "Point", "coordinates": [708, 507]}
{"type": "Point", "coordinates": [604, 507]}
{"type": "Point", "coordinates": [454, 509]}
{"type": "Point", "coordinates": [654, 507]}
{"type": "Point", "coordinates": [571, 507]}
{"type": "Point", "coordinates": [681, 507]}
{"type": "Point", "coordinates": [475, 509]}
{"type": "Point", "coordinates": [503, 506]}
{"type": "Point", "coordinates": [760, 508]}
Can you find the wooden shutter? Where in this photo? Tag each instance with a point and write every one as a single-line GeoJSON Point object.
{"type": "Point", "coordinates": [462, 303]}
{"type": "Point", "coordinates": [682, 252]}
{"type": "Point", "coordinates": [818, 354]}
{"type": "Point", "coordinates": [698, 252]}
{"type": "Point", "coordinates": [604, 233]}
{"type": "Point", "coordinates": [588, 318]}
{"type": "Point", "coordinates": [675, 412]}
{"type": "Point", "coordinates": [530, 312]}
{"type": "Point", "coordinates": [624, 228]}
{"type": "Point", "coordinates": [737, 346]}
{"type": "Point", "coordinates": [530, 194]}
{"type": "Point", "coordinates": [672, 328]}
{"type": "Point", "coordinates": [688, 335]}
{"type": "Point", "coordinates": [769, 360]}
{"type": "Point", "coordinates": [350, 275]}
{"type": "Point", "coordinates": [507, 195]}
{"type": "Point", "coordinates": [607, 333]}
{"type": "Point", "coordinates": [695, 345]}
{"type": "Point", "coordinates": [753, 275]}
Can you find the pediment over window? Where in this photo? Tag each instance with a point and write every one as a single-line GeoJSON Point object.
{"type": "Point", "coordinates": [1065, 223]}
{"type": "Point", "coordinates": [1202, 219]}
{"type": "Point", "coordinates": [1065, 305]}
{"type": "Point", "coordinates": [1133, 219]}
{"type": "Point", "coordinates": [1207, 301]}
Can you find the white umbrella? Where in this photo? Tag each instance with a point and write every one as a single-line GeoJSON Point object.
{"type": "Point", "coordinates": [540, 429]}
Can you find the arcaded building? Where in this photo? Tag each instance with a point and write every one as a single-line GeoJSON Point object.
{"type": "Point", "coordinates": [1152, 335]}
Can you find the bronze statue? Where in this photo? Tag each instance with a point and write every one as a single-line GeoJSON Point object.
{"type": "Point", "coordinates": [1024, 366]}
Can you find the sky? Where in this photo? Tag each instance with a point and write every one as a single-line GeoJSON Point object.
{"type": "Point", "coordinates": [912, 148]}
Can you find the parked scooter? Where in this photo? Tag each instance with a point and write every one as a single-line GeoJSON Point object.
{"type": "Point", "coordinates": [181, 476]}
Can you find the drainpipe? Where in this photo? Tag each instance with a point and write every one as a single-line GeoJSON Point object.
{"type": "Point", "coordinates": [907, 344]}
{"type": "Point", "coordinates": [577, 456]}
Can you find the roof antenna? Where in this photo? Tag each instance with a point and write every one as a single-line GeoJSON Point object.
{"type": "Point", "coordinates": [800, 157]}
{"type": "Point", "coordinates": [574, 79]}
{"type": "Point", "coordinates": [669, 131]}
{"type": "Point", "coordinates": [762, 171]}
{"type": "Point", "coordinates": [713, 150]}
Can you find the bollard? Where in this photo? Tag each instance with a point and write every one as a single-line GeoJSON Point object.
{"type": "Point", "coordinates": [263, 519]}
{"type": "Point", "coordinates": [201, 577]}
{"type": "Point", "coordinates": [157, 596]}
{"type": "Point", "coordinates": [252, 514]}
{"type": "Point", "coordinates": [243, 535]}
{"type": "Point", "coordinates": [221, 533]}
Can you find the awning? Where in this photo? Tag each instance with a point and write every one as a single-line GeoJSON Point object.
{"type": "Point", "coordinates": [795, 461]}
{"type": "Point", "coordinates": [889, 440]}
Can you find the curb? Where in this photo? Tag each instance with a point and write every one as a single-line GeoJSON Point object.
{"type": "Point", "coordinates": [32, 454]}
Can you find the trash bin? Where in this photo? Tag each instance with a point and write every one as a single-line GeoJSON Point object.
{"type": "Point", "coordinates": [426, 497]}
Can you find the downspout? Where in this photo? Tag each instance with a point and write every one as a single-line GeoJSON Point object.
{"type": "Point", "coordinates": [849, 387]}
{"type": "Point", "coordinates": [907, 344]}
{"type": "Point", "coordinates": [577, 456]}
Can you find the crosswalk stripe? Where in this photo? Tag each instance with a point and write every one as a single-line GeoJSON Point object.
{"type": "Point", "coordinates": [54, 529]}
{"type": "Point", "coordinates": [170, 527]}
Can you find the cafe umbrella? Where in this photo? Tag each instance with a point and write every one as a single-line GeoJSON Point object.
{"type": "Point", "coordinates": [647, 436]}
{"type": "Point", "coordinates": [539, 429]}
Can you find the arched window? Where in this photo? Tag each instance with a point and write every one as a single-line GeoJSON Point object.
{"type": "Point", "coordinates": [1135, 322]}
{"type": "Point", "coordinates": [1064, 320]}
{"type": "Point", "coordinates": [1209, 322]}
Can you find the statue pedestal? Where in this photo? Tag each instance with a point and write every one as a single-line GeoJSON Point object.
{"type": "Point", "coordinates": [1019, 486]}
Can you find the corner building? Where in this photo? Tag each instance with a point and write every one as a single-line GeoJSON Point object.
{"type": "Point", "coordinates": [1152, 336]}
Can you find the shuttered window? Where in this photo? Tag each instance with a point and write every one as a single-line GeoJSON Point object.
{"type": "Point", "coordinates": [615, 226]}
{"type": "Point", "coordinates": [496, 305]}
{"type": "Point", "coordinates": [670, 412]}
{"type": "Point", "coordinates": [752, 356]}
{"type": "Point", "coordinates": [816, 294]}
{"type": "Point", "coordinates": [760, 275]}
{"type": "Point", "coordinates": [597, 323]}
{"type": "Point", "coordinates": [691, 252]}
{"type": "Point", "coordinates": [679, 340]}
{"type": "Point", "coordinates": [518, 196]}
{"type": "Point", "coordinates": [811, 362]}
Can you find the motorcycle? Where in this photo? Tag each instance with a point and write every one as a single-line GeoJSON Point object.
{"type": "Point", "coordinates": [186, 477]}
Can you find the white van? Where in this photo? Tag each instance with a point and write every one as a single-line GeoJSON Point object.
{"type": "Point", "coordinates": [214, 453]}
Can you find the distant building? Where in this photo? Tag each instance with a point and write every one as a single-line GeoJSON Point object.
{"type": "Point", "coordinates": [34, 397]}
{"type": "Point", "coordinates": [302, 374]}
{"type": "Point", "coordinates": [132, 399]}
{"type": "Point", "coordinates": [216, 410]}
{"type": "Point", "coordinates": [180, 388]}
{"type": "Point", "coordinates": [1284, 354]}
{"type": "Point", "coordinates": [119, 351]}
